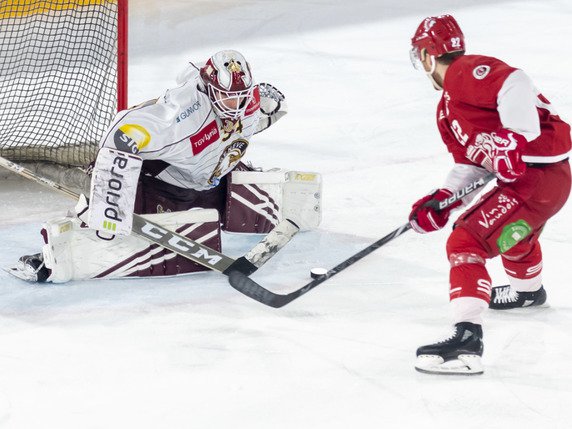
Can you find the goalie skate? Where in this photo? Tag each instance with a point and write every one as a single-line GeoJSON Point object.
{"type": "Point", "coordinates": [30, 268]}
{"type": "Point", "coordinates": [460, 353]}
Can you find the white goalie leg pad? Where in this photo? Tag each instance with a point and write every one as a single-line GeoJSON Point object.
{"type": "Point", "coordinates": [258, 200]}
{"type": "Point", "coordinates": [76, 253]}
{"type": "Point", "coordinates": [254, 201]}
{"type": "Point", "coordinates": [113, 189]}
{"type": "Point", "coordinates": [302, 198]}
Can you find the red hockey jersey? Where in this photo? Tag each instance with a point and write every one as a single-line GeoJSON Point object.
{"type": "Point", "coordinates": [483, 94]}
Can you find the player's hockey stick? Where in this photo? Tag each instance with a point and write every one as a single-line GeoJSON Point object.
{"type": "Point", "coordinates": [190, 249]}
{"type": "Point", "coordinates": [250, 288]}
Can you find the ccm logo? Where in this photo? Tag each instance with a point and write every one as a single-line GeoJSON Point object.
{"type": "Point", "coordinates": [180, 245]}
{"type": "Point", "coordinates": [205, 137]}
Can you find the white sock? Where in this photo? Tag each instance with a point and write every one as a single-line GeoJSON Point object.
{"type": "Point", "coordinates": [526, 285]}
{"type": "Point", "coordinates": [468, 309]}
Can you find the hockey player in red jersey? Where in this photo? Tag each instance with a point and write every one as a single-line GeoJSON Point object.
{"type": "Point", "coordinates": [492, 120]}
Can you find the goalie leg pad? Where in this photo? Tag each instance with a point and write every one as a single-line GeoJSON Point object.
{"type": "Point", "coordinates": [76, 253]}
{"type": "Point", "coordinates": [258, 200]}
{"type": "Point", "coordinates": [253, 201]}
{"type": "Point", "coordinates": [302, 198]}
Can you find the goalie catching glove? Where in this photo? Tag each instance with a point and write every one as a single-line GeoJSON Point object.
{"type": "Point", "coordinates": [500, 153]}
{"type": "Point", "coordinates": [272, 106]}
{"type": "Point", "coordinates": [424, 217]}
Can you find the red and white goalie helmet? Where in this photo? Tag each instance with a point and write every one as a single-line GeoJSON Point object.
{"type": "Point", "coordinates": [229, 84]}
{"type": "Point", "coordinates": [436, 35]}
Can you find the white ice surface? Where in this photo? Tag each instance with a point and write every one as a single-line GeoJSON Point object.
{"type": "Point", "coordinates": [193, 353]}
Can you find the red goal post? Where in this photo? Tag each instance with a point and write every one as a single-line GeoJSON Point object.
{"type": "Point", "coordinates": [63, 76]}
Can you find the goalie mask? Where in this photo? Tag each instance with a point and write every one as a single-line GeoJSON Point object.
{"type": "Point", "coordinates": [228, 82]}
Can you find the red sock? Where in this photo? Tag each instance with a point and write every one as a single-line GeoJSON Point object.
{"type": "Point", "coordinates": [468, 276]}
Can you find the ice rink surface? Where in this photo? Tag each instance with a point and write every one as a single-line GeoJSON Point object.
{"type": "Point", "coordinates": [193, 353]}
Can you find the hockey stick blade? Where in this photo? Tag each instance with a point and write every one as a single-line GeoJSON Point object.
{"type": "Point", "coordinates": [252, 289]}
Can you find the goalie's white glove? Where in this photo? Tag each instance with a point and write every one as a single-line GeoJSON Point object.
{"type": "Point", "coordinates": [272, 105]}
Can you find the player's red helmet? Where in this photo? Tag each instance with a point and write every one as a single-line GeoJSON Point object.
{"type": "Point", "coordinates": [228, 82]}
{"type": "Point", "coordinates": [437, 35]}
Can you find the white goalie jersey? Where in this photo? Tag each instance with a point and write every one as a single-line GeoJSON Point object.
{"type": "Point", "coordinates": [181, 129]}
{"type": "Point", "coordinates": [186, 140]}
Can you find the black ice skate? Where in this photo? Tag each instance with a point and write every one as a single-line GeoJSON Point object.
{"type": "Point", "coordinates": [31, 268]}
{"type": "Point", "coordinates": [505, 298]}
{"type": "Point", "coordinates": [460, 353]}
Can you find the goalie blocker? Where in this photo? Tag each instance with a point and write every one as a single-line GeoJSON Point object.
{"type": "Point", "coordinates": [256, 202]}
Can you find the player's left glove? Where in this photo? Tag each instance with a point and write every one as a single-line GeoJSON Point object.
{"type": "Point", "coordinates": [499, 152]}
{"type": "Point", "coordinates": [424, 217]}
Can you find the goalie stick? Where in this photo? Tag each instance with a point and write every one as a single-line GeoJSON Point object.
{"type": "Point", "coordinates": [250, 288]}
{"type": "Point", "coordinates": [190, 249]}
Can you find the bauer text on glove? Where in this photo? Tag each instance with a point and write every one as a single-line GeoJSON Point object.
{"type": "Point", "coordinates": [425, 217]}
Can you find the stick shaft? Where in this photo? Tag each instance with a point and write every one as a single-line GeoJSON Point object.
{"type": "Point", "coordinates": [252, 289]}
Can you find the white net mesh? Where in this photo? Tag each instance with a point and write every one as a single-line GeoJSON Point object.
{"type": "Point", "coordinates": [58, 78]}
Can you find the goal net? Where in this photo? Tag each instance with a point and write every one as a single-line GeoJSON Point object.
{"type": "Point", "coordinates": [60, 77]}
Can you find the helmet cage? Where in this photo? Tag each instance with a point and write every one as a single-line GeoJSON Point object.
{"type": "Point", "coordinates": [230, 104]}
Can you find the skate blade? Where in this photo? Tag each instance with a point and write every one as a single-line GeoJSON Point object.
{"type": "Point", "coordinates": [463, 365]}
{"type": "Point", "coordinates": [22, 274]}
{"type": "Point", "coordinates": [523, 307]}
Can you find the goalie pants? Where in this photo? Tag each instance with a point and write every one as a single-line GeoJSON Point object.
{"type": "Point", "coordinates": [507, 221]}
{"type": "Point", "coordinates": [156, 196]}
